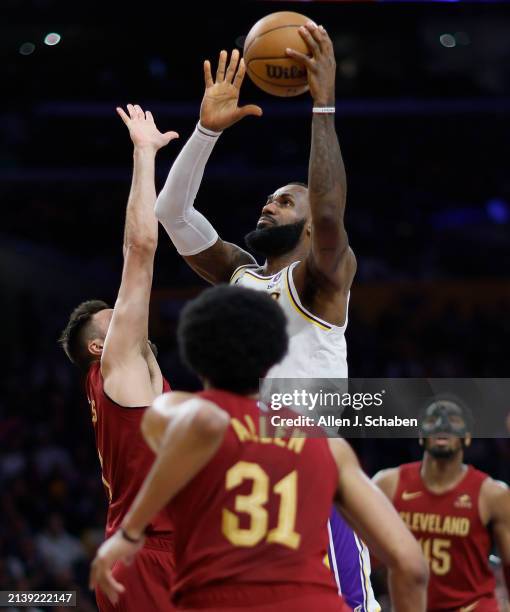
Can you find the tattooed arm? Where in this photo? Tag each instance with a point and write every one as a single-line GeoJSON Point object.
{"type": "Point", "coordinates": [331, 263]}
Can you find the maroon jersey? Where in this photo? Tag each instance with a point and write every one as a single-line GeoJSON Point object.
{"type": "Point", "coordinates": [453, 538]}
{"type": "Point", "coordinates": [124, 455]}
{"type": "Point", "coordinates": [257, 513]}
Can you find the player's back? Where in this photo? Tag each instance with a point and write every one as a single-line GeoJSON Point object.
{"type": "Point", "coordinates": [124, 456]}
{"type": "Point", "coordinates": [454, 539]}
{"type": "Point", "coordinates": [251, 527]}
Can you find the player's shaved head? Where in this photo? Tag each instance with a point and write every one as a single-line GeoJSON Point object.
{"type": "Point", "coordinates": [81, 328]}
{"type": "Point", "coordinates": [232, 336]}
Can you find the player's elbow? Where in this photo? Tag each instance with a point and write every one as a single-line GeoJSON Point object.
{"type": "Point", "coordinates": [209, 421]}
{"type": "Point", "coordinates": [163, 209]}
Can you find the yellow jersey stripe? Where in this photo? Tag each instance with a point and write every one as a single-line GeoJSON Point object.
{"type": "Point", "coordinates": [298, 308]}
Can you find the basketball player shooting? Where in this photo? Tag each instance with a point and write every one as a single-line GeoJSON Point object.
{"type": "Point", "coordinates": [112, 349]}
{"type": "Point", "coordinates": [455, 511]}
{"type": "Point", "coordinates": [249, 511]}
{"type": "Point", "coordinates": [309, 265]}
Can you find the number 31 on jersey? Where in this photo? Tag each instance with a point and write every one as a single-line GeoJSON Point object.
{"type": "Point", "coordinates": [255, 505]}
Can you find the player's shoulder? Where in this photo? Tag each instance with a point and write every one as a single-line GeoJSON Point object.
{"type": "Point", "coordinates": [239, 272]}
{"type": "Point", "coordinates": [494, 498]}
{"type": "Point", "coordinates": [387, 480]}
{"type": "Point", "coordinates": [386, 475]}
{"type": "Point", "coordinates": [390, 479]}
{"type": "Point", "coordinates": [493, 489]}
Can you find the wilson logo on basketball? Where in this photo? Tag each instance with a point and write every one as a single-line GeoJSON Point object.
{"type": "Point", "coordinates": [284, 72]}
{"type": "Point", "coordinates": [463, 501]}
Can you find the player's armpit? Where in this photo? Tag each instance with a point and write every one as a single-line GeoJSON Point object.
{"type": "Point", "coordinates": [368, 511]}
{"type": "Point", "coordinates": [129, 384]}
{"type": "Point", "coordinates": [217, 263]}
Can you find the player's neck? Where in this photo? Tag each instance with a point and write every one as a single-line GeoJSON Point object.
{"type": "Point", "coordinates": [274, 264]}
{"type": "Point", "coordinates": [440, 475]}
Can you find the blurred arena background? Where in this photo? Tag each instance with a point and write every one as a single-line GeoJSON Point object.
{"type": "Point", "coordinates": [423, 116]}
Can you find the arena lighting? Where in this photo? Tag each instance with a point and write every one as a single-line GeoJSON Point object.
{"type": "Point", "coordinates": [497, 210]}
{"type": "Point", "coordinates": [448, 40]}
{"type": "Point", "coordinates": [27, 48]}
{"type": "Point", "coordinates": [52, 39]}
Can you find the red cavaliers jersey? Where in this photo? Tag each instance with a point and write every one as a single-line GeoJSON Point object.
{"type": "Point", "coordinates": [257, 512]}
{"type": "Point", "coordinates": [453, 538]}
{"type": "Point", "coordinates": [124, 455]}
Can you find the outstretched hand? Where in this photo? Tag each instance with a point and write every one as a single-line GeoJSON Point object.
{"type": "Point", "coordinates": [143, 130]}
{"type": "Point", "coordinates": [321, 66]}
{"type": "Point", "coordinates": [220, 108]}
{"type": "Point", "coordinates": [115, 549]}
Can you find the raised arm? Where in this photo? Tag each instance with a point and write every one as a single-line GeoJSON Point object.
{"type": "Point", "coordinates": [331, 261]}
{"type": "Point", "coordinates": [191, 233]}
{"type": "Point", "coordinates": [124, 361]}
{"type": "Point", "coordinates": [371, 515]}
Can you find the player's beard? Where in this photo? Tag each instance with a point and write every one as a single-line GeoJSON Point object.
{"type": "Point", "coordinates": [441, 452]}
{"type": "Point", "coordinates": [275, 240]}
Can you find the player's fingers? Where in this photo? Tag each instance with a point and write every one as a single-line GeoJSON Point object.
{"type": "Point", "coordinates": [208, 74]}
{"type": "Point", "coordinates": [310, 41]}
{"type": "Point", "coordinates": [139, 112]}
{"type": "Point", "coordinates": [110, 586]}
{"type": "Point", "coordinates": [122, 115]}
{"type": "Point", "coordinates": [171, 136]}
{"type": "Point", "coordinates": [148, 116]}
{"type": "Point", "coordinates": [234, 60]}
{"type": "Point", "coordinates": [300, 57]}
{"type": "Point", "coordinates": [241, 71]}
{"type": "Point", "coordinates": [317, 33]}
{"type": "Point", "coordinates": [249, 109]}
{"type": "Point", "coordinates": [131, 111]}
{"type": "Point", "coordinates": [327, 43]}
{"type": "Point", "coordinates": [222, 62]}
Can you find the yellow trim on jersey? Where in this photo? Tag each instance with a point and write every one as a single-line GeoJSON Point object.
{"type": "Point", "coordinates": [299, 309]}
{"type": "Point", "coordinates": [241, 269]}
{"type": "Point", "coordinates": [256, 277]}
{"type": "Point", "coordinates": [368, 585]}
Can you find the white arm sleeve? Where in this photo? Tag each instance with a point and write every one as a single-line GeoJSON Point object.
{"type": "Point", "coordinates": [188, 229]}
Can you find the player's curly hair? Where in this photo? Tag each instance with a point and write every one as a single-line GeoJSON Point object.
{"type": "Point", "coordinates": [231, 336]}
{"type": "Point", "coordinates": [77, 331]}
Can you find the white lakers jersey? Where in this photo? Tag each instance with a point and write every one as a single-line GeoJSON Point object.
{"type": "Point", "coordinates": [317, 349]}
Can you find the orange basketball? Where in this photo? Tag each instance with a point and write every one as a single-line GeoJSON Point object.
{"type": "Point", "coordinates": [264, 54]}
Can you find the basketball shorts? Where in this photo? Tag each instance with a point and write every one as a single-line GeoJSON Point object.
{"type": "Point", "coordinates": [148, 580]}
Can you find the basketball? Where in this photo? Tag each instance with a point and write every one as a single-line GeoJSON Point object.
{"type": "Point", "coordinates": [264, 54]}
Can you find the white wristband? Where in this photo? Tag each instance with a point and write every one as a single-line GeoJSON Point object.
{"type": "Point", "coordinates": [330, 110]}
